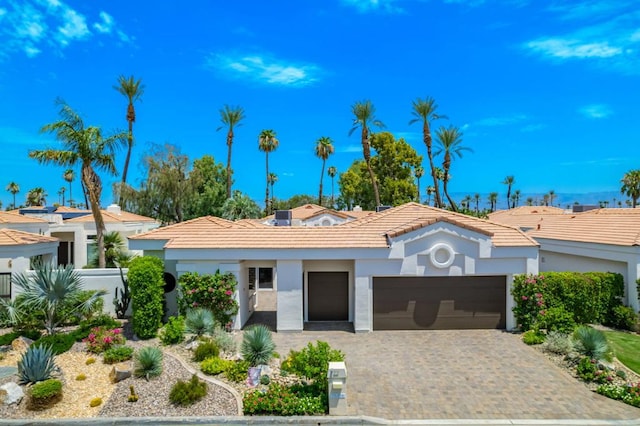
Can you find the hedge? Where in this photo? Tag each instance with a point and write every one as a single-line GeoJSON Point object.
{"type": "Point", "coordinates": [146, 283]}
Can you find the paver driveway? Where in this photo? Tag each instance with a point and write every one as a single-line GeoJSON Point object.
{"type": "Point", "coordinates": [468, 374]}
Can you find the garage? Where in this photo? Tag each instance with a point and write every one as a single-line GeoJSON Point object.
{"type": "Point", "coordinates": [439, 303]}
{"type": "Point", "coordinates": [328, 296]}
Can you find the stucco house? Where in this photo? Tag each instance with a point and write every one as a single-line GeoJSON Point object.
{"type": "Point", "coordinates": [313, 215]}
{"type": "Point", "coordinates": [606, 239]}
{"type": "Point", "coordinates": [408, 267]}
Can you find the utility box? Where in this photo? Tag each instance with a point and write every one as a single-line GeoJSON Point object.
{"type": "Point", "coordinates": [337, 376]}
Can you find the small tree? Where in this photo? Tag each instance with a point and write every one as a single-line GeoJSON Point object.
{"type": "Point", "coordinates": [146, 283]}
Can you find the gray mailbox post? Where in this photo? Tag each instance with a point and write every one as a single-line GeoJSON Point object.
{"type": "Point", "coordinates": [337, 376]}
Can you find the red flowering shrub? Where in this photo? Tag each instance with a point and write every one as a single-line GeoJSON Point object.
{"type": "Point", "coordinates": [100, 339]}
{"type": "Point", "coordinates": [214, 292]}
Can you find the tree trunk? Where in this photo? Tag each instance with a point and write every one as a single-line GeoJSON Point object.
{"type": "Point", "coordinates": [366, 151]}
{"type": "Point", "coordinates": [229, 144]}
{"type": "Point", "coordinates": [321, 177]}
{"type": "Point", "coordinates": [445, 167]}
{"type": "Point", "coordinates": [426, 133]}
{"type": "Point", "coordinates": [94, 188]}
{"type": "Point", "coordinates": [266, 196]}
{"type": "Point", "coordinates": [125, 170]}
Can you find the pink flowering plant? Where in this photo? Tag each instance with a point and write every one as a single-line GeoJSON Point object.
{"type": "Point", "coordinates": [100, 339]}
{"type": "Point", "coordinates": [530, 305]}
{"type": "Point", "coordinates": [215, 292]}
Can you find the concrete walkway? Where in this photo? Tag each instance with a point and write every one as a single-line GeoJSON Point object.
{"type": "Point", "coordinates": [469, 374]}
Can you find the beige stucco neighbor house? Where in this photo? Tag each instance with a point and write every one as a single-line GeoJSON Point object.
{"type": "Point", "coordinates": [408, 267]}
{"type": "Point", "coordinates": [594, 240]}
{"type": "Point", "coordinates": [314, 215]}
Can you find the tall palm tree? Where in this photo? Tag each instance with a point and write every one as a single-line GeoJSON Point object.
{"type": "Point", "coordinates": [332, 171]}
{"type": "Point", "coordinates": [516, 198]}
{"type": "Point", "coordinates": [87, 146]}
{"type": "Point", "coordinates": [132, 89]}
{"type": "Point", "coordinates": [450, 144]}
{"type": "Point", "coordinates": [631, 186]}
{"type": "Point", "coordinates": [418, 173]}
{"type": "Point", "coordinates": [545, 199]}
{"type": "Point", "coordinates": [69, 175]}
{"type": "Point", "coordinates": [230, 117]}
{"type": "Point", "coordinates": [476, 198]}
{"type": "Point", "coordinates": [271, 180]}
{"type": "Point", "coordinates": [493, 200]}
{"type": "Point", "coordinates": [509, 180]}
{"type": "Point", "coordinates": [36, 197]}
{"type": "Point", "coordinates": [324, 148]}
{"type": "Point", "coordinates": [61, 194]}
{"type": "Point", "coordinates": [13, 188]}
{"type": "Point", "coordinates": [467, 202]}
{"type": "Point", "coordinates": [267, 142]}
{"type": "Point", "coordinates": [430, 191]}
{"type": "Point", "coordinates": [529, 201]}
{"type": "Point", "coordinates": [364, 113]}
{"type": "Point", "coordinates": [552, 197]}
{"type": "Point", "coordinates": [424, 111]}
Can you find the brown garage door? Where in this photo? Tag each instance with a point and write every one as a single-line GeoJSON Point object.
{"type": "Point", "coordinates": [439, 303]}
{"type": "Point", "coordinates": [328, 297]}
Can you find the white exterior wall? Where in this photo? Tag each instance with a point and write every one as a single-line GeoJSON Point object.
{"type": "Point", "coordinates": [290, 290]}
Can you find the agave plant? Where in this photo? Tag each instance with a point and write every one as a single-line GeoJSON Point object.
{"type": "Point", "coordinates": [199, 321]}
{"type": "Point", "coordinates": [148, 362]}
{"type": "Point", "coordinates": [37, 364]}
{"type": "Point", "coordinates": [257, 345]}
{"type": "Point", "coordinates": [592, 343]}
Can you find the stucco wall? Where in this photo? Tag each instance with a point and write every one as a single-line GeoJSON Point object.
{"type": "Point", "coordinates": [290, 302]}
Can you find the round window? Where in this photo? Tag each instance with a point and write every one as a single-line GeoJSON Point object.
{"type": "Point", "coordinates": [169, 282]}
{"type": "Point", "coordinates": [442, 255]}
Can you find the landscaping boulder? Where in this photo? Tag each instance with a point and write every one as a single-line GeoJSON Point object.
{"type": "Point", "coordinates": [119, 372]}
{"type": "Point", "coordinates": [11, 393]}
{"type": "Point", "coordinates": [21, 344]}
{"type": "Point", "coordinates": [7, 371]}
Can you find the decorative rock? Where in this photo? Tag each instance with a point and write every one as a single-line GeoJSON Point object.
{"type": "Point", "coordinates": [265, 370]}
{"type": "Point", "coordinates": [11, 393]}
{"type": "Point", "coordinates": [119, 372]}
{"type": "Point", "coordinates": [607, 366]}
{"type": "Point", "coordinates": [7, 371]}
{"type": "Point", "coordinates": [21, 344]}
{"type": "Point", "coordinates": [190, 346]}
{"type": "Point", "coordinates": [5, 348]}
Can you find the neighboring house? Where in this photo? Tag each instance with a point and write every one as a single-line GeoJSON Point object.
{"type": "Point", "coordinates": [408, 267]}
{"type": "Point", "coordinates": [593, 240]}
{"type": "Point", "coordinates": [312, 215]}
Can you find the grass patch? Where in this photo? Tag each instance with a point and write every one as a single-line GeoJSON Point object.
{"type": "Point", "coordinates": [626, 347]}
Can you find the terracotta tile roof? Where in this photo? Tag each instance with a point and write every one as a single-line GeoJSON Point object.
{"type": "Point", "coordinates": [301, 212]}
{"type": "Point", "coordinates": [12, 237]}
{"type": "Point", "coordinates": [110, 217]}
{"type": "Point", "coordinates": [66, 209]}
{"type": "Point", "coordinates": [9, 217]}
{"type": "Point", "coordinates": [369, 232]}
{"type": "Point", "coordinates": [526, 216]}
{"type": "Point", "coordinates": [358, 214]}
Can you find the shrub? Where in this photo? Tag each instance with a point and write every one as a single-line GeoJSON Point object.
{"type": "Point", "coordinates": [32, 334]}
{"type": "Point", "coordinates": [224, 340]}
{"type": "Point", "coordinates": [533, 337]}
{"type": "Point", "coordinates": [558, 319]}
{"type": "Point", "coordinates": [204, 350]}
{"type": "Point", "coordinates": [280, 400]}
{"type": "Point", "coordinates": [44, 394]}
{"type": "Point", "coordinates": [257, 345]}
{"type": "Point", "coordinates": [591, 343]}
{"type": "Point", "coordinates": [117, 354]}
{"type": "Point", "coordinates": [187, 393]}
{"type": "Point", "coordinates": [529, 300]}
{"type": "Point", "coordinates": [147, 293]}
{"type": "Point", "coordinates": [59, 343]}
{"type": "Point", "coordinates": [265, 380]}
{"type": "Point", "coordinates": [587, 368]}
{"type": "Point", "coordinates": [199, 321]}
{"type": "Point", "coordinates": [622, 374]}
{"type": "Point", "coordinates": [214, 292]}
{"type": "Point", "coordinates": [558, 343]}
{"type": "Point", "coordinates": [312, 362]}
{"type": "Point", "coordinates": [90, 361]}
{"type": "Point", "coordinates": [173, 331]}
{"type": "Point", "coordinates": [629, 394]}
{"type": "Point", "coordinates": [95, 402]}
{"type": "Point", "coordinates": [81, 377]}
{"type": "Point", "coordinates": [237, 371]}
{"type": "Point", "coordinates": [623, 317]}
{"type": "Point", "coordinates": [105, 321]}
{"type": "Point", "coordinates": [213, 366]}
{"type": "Point", "coordinates": [37, 364]}
{"type": "Point", "coordinates": [148, 362]}
{"type": "Point", "coordinates": [100, 339]}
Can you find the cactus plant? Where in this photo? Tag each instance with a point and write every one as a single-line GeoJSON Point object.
{"type": "Point", "coordinates": [122, 301]}
{"type": "Point", "coordinates": [37, 364]}
{"type": "Point", "coordinates": [133, 396]}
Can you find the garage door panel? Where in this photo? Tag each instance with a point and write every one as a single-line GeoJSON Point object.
{"type": "Point", "coordinates": [328, 296]}
{"type": "Point", "coordinates": [414, 303]}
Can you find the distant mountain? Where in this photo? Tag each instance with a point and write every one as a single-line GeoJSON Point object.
{"type": "Point", "coordinates": [562, 199]}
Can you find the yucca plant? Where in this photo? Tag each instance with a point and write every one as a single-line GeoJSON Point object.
{"type": "Point", "coordinates": [591, 343]}
{"type": "Point", "coordinates": [36, 365]}
{"type": "Point", "coordinates": [148, 362]}
{"type": "Point", "coordinates": [199, 321]}
{"type": "Point", "coordinates": [257, 345]}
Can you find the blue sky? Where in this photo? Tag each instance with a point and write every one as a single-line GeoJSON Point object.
{"type": "Point", "coordinates": [546, 91]}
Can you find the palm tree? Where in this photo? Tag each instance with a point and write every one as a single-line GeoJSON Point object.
{"type": "Point", "coordinates": [364, 113]}
{"type": "Point", "coordinates": [230, 117]}
{"type": "Point", "coordinates": [240, 206]}
{"type": "Point", "coordinates": [516, 198]}
{"type": "Point", "coordinates": [271, 180]}
{"type": "Point", "coordinates": [631, 186]}
{"type": "Point", "coordinates": [476, 198]}
{"type": "Point", "coordinates": [493, 200]}
{"type": "Point", "coordinates": [87, 146]}
{"type": "Point", "coordinates": [430, 191]}
{"type": "Point", "coordinates": [545, 199]}
{"type": "Point", "coordinates": [115, 249]}
{"type": "Point", "coordinates": [529, 201]}
{"type": "Point", "coordinates": [267, 142]}
{"type": "Point", "coordinates": [332, 171]}
{"type": "Point", "coordinates": [450, 143]}
{"type": "Point", "coordinates": [13, 188]}
{"type": "Point", "coordinates": [552, 196]}
{"type": "Point", "coordinates": [36, 197]}
{"type": "Point", "coordinates": [132, 89]}
{"type": "Point", "coordinates": [509, 180]}
{"type": "Point", "coordinates": [61, 194]}
{"type": "Point", "coordinates": [69, 176]}
{"type": "Point", "coordinates": [467, 202]}
{"type": "Point", "coordinates": [324, 149]}
{"type": "Point", "coordinates": [424, 111]}
{"type": "Point", "coordinates": [418, 173]}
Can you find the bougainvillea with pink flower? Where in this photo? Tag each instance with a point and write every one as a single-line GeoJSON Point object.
{"type": "Point", "coordinates": [100, 339]}
{"type": "Point", "coordinates": [211, 291]}
{"type": "Point", "coordinates": [530, 302]}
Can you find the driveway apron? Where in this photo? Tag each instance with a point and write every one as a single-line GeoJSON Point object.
{"type": "Point", "coordinates": [461, 374]}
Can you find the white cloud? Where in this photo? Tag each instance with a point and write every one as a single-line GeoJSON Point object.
{"type": "Point", "coordinates": [106, 24]}
{"type": "Point", "coordinates": [533, 127]}
{"type": "Point", "coordinates": [31, 51]}
{"type": "Point", "coordinates": [367, 6]}
{"type": "Point", "coordinates": [563, 48]}
{"type": "Point", "coordinates": [2, 12]}
{"type": "Point", "coordinates": [264, 69]}
{"type": "Point", "coordinates": [596, 111]}
{"type": "Point", "coordinates": [501, 120]}
{"type": "Point", "coordinates": [350, 149]}
{"type": "Point", "coordinates": [74, 27]}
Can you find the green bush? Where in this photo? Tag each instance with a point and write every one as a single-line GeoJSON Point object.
{"type": "Point", "coordinates": [36, 364]}
{"type": "Point", "coordinates": [312, 362]}
{"type": "Point", "coordinates": [237, 371]}
{"type": "Point", "coordinates": [66, 313]}
{"type": "Point", "coordinates": [558, 319]}
{"type": "Point", "coordinates": [206, 349]}
{"type": "Point", "coordinates": [214, 292]}
{"type": "Point", "coordinates": [280, 400]}
{"type": "Point", "coordinates": [224, 340]}
{"type": "Point", "coordinates": [44, 394]}
{"type": "Point", "coordinates": [629, 394]}
{"type": "Point", "coordinates": [533, 337]}
{"type": "Point", "coordinates": [591, 343]}
{"type": "Point", "coordinates": [86, 326]}
{"type": "Point", "coordinates": [146, 282]}
{"type": "Point", "coordinates": [558, 343]}
{"type": "Point", "coordinates": [623, 318]}
{"type": "Point", "coordinates": [32, 334]}
{"type": "Point", "coordinates": [148, 362]}
{"type": "Point", "coordinates": [199, 321]}
{"type": "Point", "coordinates": [186, 393]}
{"type": "Point", "coordinates": [587, 368]}
{"type": "Point", "coordinates": [214, 366]}
{"type": "Point", "coordinates": [257, 345]}
{"type": "Point", "coordinates": [59, 343]}
{"type": "Point", "coordinates": [117, 354]}
{"type": "Point", "coordinates": [173, 331]}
